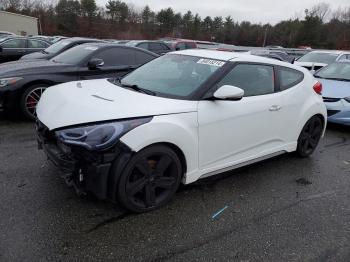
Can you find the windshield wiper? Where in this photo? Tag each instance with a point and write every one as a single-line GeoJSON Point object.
{"type": "Point", "coordinates": [44, 52]}
{"type": "Point", "coordinates": [137, 88]}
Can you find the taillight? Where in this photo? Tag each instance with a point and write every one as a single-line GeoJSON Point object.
{"type": "Point", "coordinates": [318, 88]}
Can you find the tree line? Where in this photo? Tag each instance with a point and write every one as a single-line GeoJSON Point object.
{"type": "Point", "coordinates": [321, 27]}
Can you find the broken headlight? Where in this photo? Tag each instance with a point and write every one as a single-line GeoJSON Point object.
{"type": "Point", "coordinates": [100, 136]}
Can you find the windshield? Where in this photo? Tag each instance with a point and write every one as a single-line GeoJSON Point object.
{"type": "Point", "coordinates": [173, 75]}
{"type": "Point", "coordinates": [335, 71]}
{"type": "Point", "coordinates": [57, 47]}
{"type": "Point", "coordinates": [75, 55]}
{"type": "Point", "coordinates": [315, 57]}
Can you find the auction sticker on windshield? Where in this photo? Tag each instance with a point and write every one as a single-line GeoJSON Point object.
{"type": "Point", "coordinates": [210, 62]}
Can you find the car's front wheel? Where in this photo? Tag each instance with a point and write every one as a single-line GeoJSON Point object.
{"type": "Point", "coordinates": [310, 136]}
{"type": "Point", "coordinates": [30, 99]}
{"type": "Point", "coordinates": [150, 179]}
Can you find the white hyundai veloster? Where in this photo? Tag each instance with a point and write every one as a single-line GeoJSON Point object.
{"type": "Point", "coordinates": [181, 117]}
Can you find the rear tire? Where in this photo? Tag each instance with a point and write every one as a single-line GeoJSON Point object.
{"type": "Point", "coordinates": [150, 179]}
{"type": "Point", "coordinates": [30, 99]}
{"type": "Point", "coordinates": [310, 136]}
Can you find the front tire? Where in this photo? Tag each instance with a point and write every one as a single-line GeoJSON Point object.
{"type": "Point", "coordinates": [310, 136]}
{"type": "Point", "coordinates": [150, 179]}
{"type": "Point", "coordinates": [30, 99]}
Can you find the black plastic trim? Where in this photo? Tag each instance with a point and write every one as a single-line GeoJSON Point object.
{"type": "Point", "coordinates": [278, 72]}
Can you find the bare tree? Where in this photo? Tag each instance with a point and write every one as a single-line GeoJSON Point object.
{"type": "Point", "coordinates": [321, 10]}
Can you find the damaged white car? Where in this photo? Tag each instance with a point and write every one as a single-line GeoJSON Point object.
{"type": "Point", "coordinates": [181, 117]}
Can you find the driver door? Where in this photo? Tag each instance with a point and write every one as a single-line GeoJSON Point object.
{"type": "Point", "coordinates": [231, 132]}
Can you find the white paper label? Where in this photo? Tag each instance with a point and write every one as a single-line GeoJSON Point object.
{"type": "Point", "coordinates": [210, 62]}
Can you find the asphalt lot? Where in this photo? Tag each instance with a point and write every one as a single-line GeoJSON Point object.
{"type": "Point", "coordinates": [283, 209]}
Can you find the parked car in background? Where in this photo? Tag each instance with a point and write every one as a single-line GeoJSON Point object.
{"type": "Point", "coordinates": [274, 46]}
{"type": "Point", "coordinates": [335, 79]}
{"type": "Point", "coordinates": [158, 47]}
{"type": "Point", "coordinates": [315, 60]}
{"type": "Point", "coordinates": [121, 42]}
{"type": "Point", "coordinates": [59, 47]}
{"type": "Point", "coordinates": [49, 39]}
{"type": "Point", "coordinates": [304, 47]}
{"type": "Point", "coordinates": [57, 38]}
{"type": "Point", "coordinates": [181, 117]}
{"type": "Point", "coordinates": [207, 45]}
{"type": "Point", "coordinates": [180, 44]}
{"type": "Point", "coordinates": [23, 82]}
{"type": "Point", "coordinates": [274, 54]}
{"type": "Point", "coordinates": [6, 33]}
{"type": "Point", "coordinates": [14, 47]}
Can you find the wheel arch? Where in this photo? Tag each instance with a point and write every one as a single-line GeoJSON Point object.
{"type": "Point", "coordinates": [177, 151]}
{"type": "Point", "coordinates": [319, 115]}
{"type": "Point", "coordinates": [37, 82]}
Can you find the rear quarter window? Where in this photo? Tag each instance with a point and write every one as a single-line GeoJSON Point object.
{"type": "Point", "coordinates": [289, 78]}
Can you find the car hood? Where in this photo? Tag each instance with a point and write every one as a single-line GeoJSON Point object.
{"type": "Point", "coordinates": [334, 88]}
{"type": "Point", "coordinates": [36, 55]}
{"type": "Point", "coordinates": [28, 67]}
{"type": "Point", "coordinates": [83, 102]}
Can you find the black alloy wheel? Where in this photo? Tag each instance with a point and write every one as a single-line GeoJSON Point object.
{"type": "Point", "coordinates": [150, 179]}
{"type": "Point", "coordinates": [310, 136]}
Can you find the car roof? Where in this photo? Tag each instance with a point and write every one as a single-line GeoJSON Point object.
{"type": "Point", "coordinates": [146, 41]}
{"type": "Point", "coordinates": [80, 39]}
{"type": "Point", "coordinates": [343, 61]}
{"type": "Point", "coordinates": [109, 44]}
{"type": "Point", "coordinates": [11, 37]}
{"type": "Point", "coordinates": [338, 52]}
{"type": "Point", "coordinates": [234, 56]}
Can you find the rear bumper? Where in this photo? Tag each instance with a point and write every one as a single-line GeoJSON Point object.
{"type": "Point", "coordinates": [94, 172]}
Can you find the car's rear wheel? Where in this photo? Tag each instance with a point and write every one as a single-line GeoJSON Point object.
{"type": "Point", "coordinates": [310, 136]}
{"type": "Point", "coordinates": [150, 179]}
{"type": "Point", "coordinates": [30, 99]}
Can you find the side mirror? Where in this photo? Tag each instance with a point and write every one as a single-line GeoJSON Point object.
{"type": "Point", "coordinates": [228, 92]}
{"type": "Point", "coordinates": [177, 48]}
{"type": "Point", "coordinates": [95, 63]}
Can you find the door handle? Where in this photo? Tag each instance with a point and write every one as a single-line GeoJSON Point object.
{"type": "Point", "coordinates": [275, 108]}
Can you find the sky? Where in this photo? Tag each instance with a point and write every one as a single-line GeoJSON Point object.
{"type": "Point", "coordinates": [257, 11]}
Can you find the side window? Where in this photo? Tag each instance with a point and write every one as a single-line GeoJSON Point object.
{"type": "Point", "coordinates": [181, 46]}
{"type": "Point", "coordinates": [155, 47]}
{"type": "Point", "coordinates": [14, 43]}
{"type": "Point", "coordinates": [143, 46]}
{"type": "Point", "coordinates": [36, 44]}
{"type": "Point", "coordinates": [142, 58]}
{"type": "Point", "coordinates": [344, 57]}
{"type": "Point", "coordinates": [289, 77]}
{"type": "Point", "coordinates": [164, 47]}
{"type": "Point", "coordinates": [117, 56]}
{"type": "Point", "coordinates": [252, 78]}
{"type": "Point", "coordinates": [190, 45]}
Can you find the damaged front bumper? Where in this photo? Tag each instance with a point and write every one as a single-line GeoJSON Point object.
{"type": "Point", "coordinates": [93, 172]}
